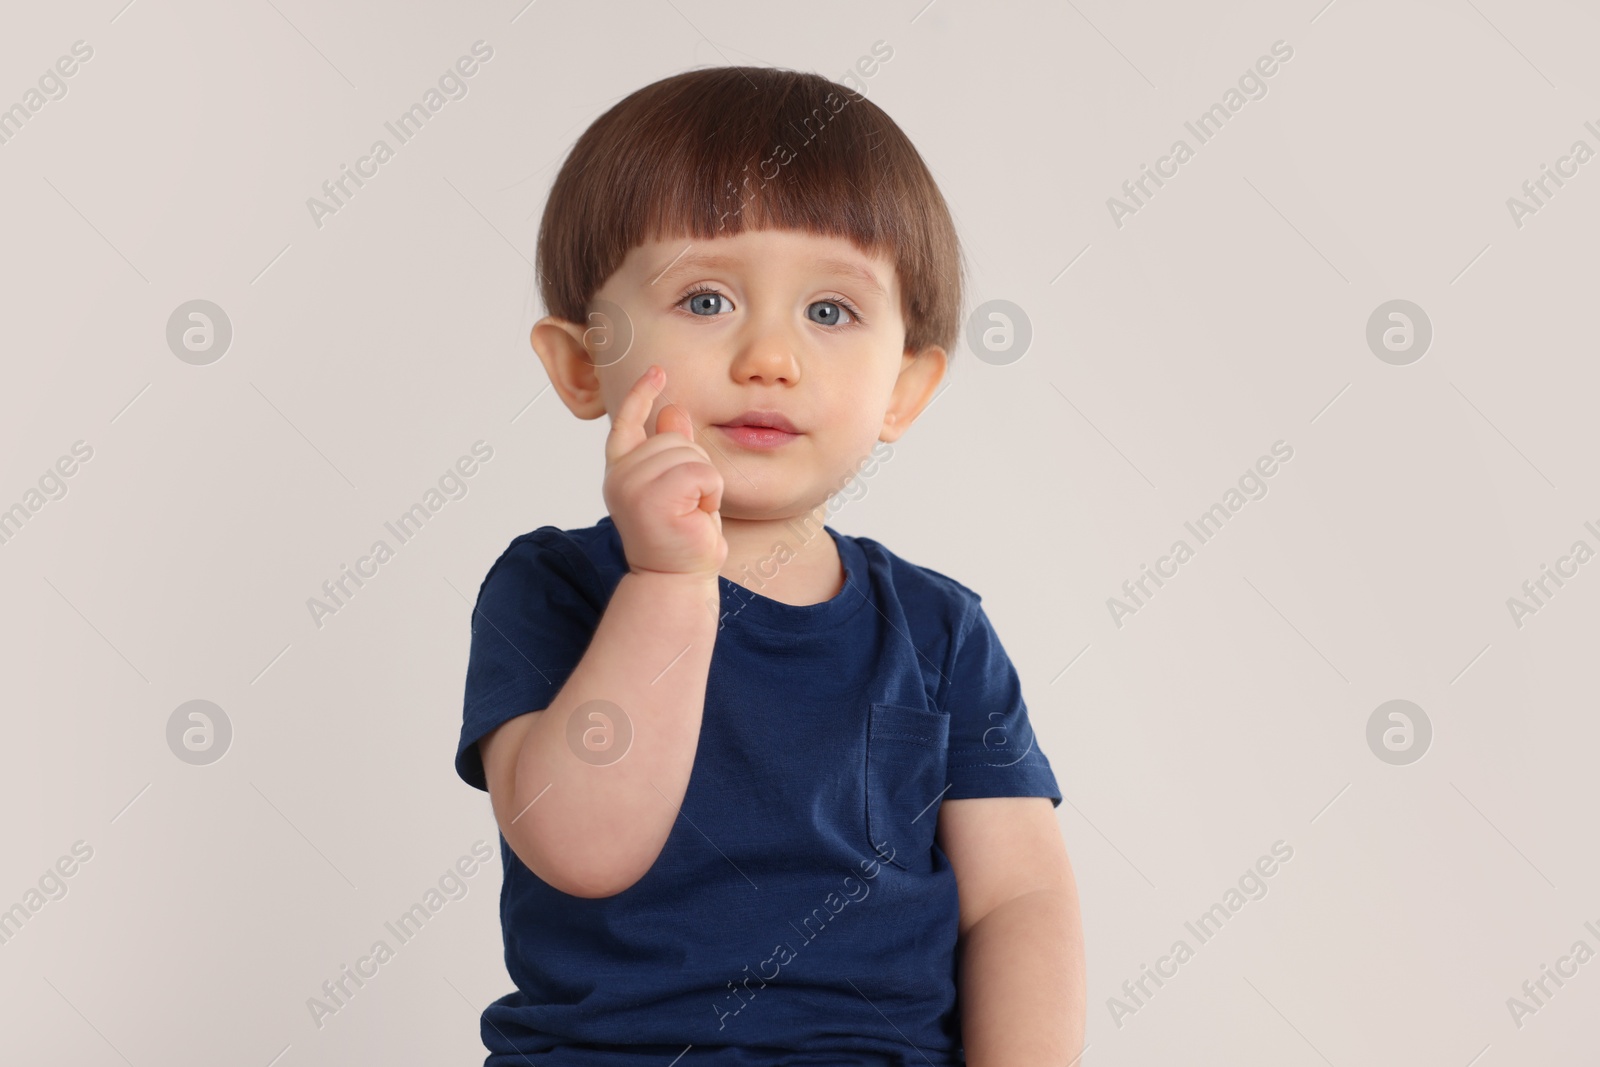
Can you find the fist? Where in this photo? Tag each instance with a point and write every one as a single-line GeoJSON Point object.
{"type": "Point", "coordinates": [660, 487]}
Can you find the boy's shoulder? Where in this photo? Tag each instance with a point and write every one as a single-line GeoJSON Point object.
{"type": "Point", "coordinates": [915, 577]}
{"type": "Point", "coordinates": [564, 542]}
{"type": "Point", "coordinates": [587, 556]}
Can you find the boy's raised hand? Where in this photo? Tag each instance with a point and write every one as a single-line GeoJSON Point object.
{"type": "Point", "coordinates": [661, 489]}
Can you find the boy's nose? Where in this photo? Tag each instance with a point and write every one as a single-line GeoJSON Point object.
{"type": "Point", "coordinates": [767, 355]}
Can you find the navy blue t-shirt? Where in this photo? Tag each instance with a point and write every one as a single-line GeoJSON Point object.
{"type": "Point", "coordinates": [800, 911]}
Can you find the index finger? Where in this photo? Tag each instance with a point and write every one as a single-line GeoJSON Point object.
{"type": "Point", "coordinates": [627, 427]}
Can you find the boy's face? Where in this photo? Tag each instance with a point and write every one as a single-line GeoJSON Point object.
{"type": "Point", "coordinates": [773, 320]}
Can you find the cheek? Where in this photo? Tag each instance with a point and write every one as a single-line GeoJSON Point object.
{"type": "Point", "coordinates": [670, 346]}
{"type": "Point", "coordinates": [857, 430]}
{"type": "Point", "coordinates": [683, 388]}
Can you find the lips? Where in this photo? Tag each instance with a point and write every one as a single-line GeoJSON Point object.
{"type": "Point", "coordinates": [767, 420]}
{"type": "Point", "coordinates": [761, 431]}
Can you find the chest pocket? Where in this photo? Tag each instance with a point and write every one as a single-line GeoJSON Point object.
{"type": "Point", "coordinates": [905, 777]}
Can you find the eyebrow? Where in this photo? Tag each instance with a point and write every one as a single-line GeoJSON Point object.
{"type": "Point", "coordinates": [686, 262]}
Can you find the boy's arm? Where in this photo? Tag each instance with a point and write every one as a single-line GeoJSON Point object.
{"type": "Point", "coordinates": [592, 829]}
{"type": "Point", "coordinates": [591, 823]}
{"type": "Point", "coordinates": [1022, 989]}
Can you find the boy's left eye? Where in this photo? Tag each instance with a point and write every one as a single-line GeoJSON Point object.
{"type": "Point", "coordinates": [831, 311]}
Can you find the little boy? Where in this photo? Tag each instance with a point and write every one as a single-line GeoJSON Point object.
{"type": "Point", "coordinates": [767, 793]}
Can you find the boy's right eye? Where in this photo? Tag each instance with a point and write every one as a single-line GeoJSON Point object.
{"type": "Point", "coordinates": [705, 302]}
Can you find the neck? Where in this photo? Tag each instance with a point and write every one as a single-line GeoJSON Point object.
{"type": "Point", "coordinates": [763, 551]}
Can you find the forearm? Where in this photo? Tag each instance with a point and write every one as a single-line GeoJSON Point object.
{"type": "Point", "coordinates": [600, 823]}
{"type": "Point", "coordinates": [1022, 986]}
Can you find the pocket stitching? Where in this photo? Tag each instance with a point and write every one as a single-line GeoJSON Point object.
{"type": "Point", "coordinates": [910, 728]}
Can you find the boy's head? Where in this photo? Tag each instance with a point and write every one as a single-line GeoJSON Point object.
{"type": "Point", "coordinates": [774, 242]}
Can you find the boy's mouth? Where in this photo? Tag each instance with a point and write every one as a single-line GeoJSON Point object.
{"type": "Point", "coordinates": [760, 429]}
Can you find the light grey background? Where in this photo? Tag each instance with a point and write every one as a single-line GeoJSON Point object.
{"type": "Point", "coordinates": [1167, 355]}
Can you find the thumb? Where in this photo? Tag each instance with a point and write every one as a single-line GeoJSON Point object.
{"type": "Point", "coordinates": [673, 418]}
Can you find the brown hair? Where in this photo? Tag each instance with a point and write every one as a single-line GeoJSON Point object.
{"type": "Point", "coordinates": [717, 150]}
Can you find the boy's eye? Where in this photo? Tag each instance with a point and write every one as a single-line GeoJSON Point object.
{"type": "Point", "coordinates": [704, 302]}
{"type": "Point", "coordinates": [828, 312]}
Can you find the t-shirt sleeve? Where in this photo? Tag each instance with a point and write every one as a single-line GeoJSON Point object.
{"type": "Point", "coordinates": [536, 611]}
{"type": "Point", "coordinates": [993, 751]}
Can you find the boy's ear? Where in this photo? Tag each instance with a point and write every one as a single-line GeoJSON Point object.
{"type": "Point", "coordinates": [559, 345]}
{"type": "Point", "coordinates": [920, 375]}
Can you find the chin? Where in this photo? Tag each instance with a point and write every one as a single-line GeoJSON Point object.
{"type": "Point", "coordinates": [764, 510]}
